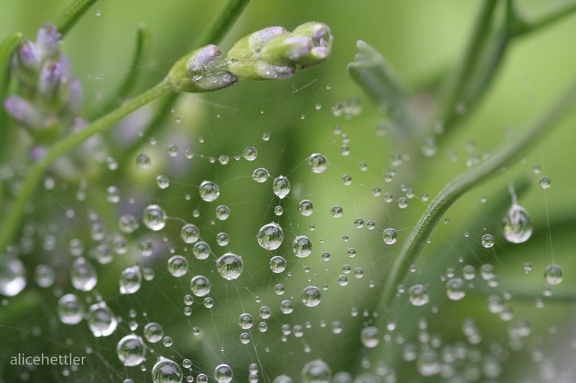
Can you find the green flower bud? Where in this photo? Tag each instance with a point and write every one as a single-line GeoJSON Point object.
{"type": "Point", "coordinates": [244, 59]}
{"type": "Point", "coordinates": [200, 71]}
{"type": "Point", "coordinates": [286, 49]}
{"type": "Point", "coordinates": [321, 37]}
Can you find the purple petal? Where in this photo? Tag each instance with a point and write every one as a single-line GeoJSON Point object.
{"type": "Point", "coordinates": [47, 41]}
{"type": "Point", "coordinates": [20, 110]}
{"type": "Point", "coordinates": [50, 79]}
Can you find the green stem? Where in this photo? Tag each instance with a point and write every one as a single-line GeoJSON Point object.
{"type": "Point", "coordinates": [525, 26]}
{"type": "Point", "coordinates": [222, 24]}
{"type": "Point", "coordinates": [14, 214]}
{"type": "Point", "coordinates": [72, 14]}
{"type": "Point", "coordinates": [7, 49]}
{"type": "Point", "coordinates": [464, 71]}
{"type": "Point", "coordinates": [413, 247]}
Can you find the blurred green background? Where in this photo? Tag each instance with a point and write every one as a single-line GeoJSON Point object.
{"type": "Point", "coordinates": [422, 39]}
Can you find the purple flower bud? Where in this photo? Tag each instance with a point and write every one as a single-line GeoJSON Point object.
{"type": "Point", "coordinates": [47, 41]}
{"type": "Point", "coordinates": [23, 112]}
{"type": "Point", "coordinates": [27, 56]}
{"type": "Point", "coordinates": [50, 79]}
{"type": "Point", "coordinates": [75, 97]}
{"type": "Point", "coordinates": [37, 152]}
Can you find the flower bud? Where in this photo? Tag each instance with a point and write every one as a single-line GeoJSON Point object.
{"type": "Point", "coordinates": [200, 71]}
{"type": "Point", "coordinates": [286, 49]}
{"type": "Point", "coordinates": [50, 79]}
{"type": "Point", "coordinates": [47, 41]}
{"type": "Point", "coordinates": [27, 56]}
{"type": "Point", "coordinates": [23, 112]}
{"type": "Point", "coordinates": [321, 37]}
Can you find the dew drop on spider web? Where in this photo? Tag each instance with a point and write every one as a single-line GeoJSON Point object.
{"type": "Point", "coordinates": [229, 266]}
{"type": "Point", "coordinates": [153, 332]}
{"type": "Point", "coordinates": [277, 264]}
{"type": "Point", "coordinates": [200, 285]}
{"type": "Point", "coordinates": [281, 186]}
{"type": "Point", "coordinates": [70, 309]}
{"type": "Point", "coordinates": [487, 240]}
{"type": "Point", "coordinates": [317, 162]}
{"type": "Point", "coordinates": [162, 181]}
{"type": "Point", "coordinates": [154, 217]}
{"type": "Point", "coordinates": [336, 211]}
{"type": "Point", "coordinates": [287, 306]}
{"type": "Point", "coordinates": [190, 233]}
{"type": "Point", "coordinates": [389, 236]}
{"type": "Point", "coordinates": [260, 175]}
{"type": "Point", "coordinates": [166, 371]}
{"type": "Point", "coordinates": [201, 250]}
{"type": "Point", "coordinates": [222, 239]}
{"type": "Point", "coordinates": [128, 223]}
{"type": "Point", "coordinates": [545, 183]}
{"type": "Point", "coordinates": [517, 225]}
{"type": "Point", "coordinates": [209, 191]}
{"type": "Point", "coordinates": [12, 276]}
{"type": "Point", "coordinates": [130, 280]}
{"type": "Point", "coordinates": [553, 274]}
{"type": "Point", "coordinates": [245, 321]}
{"type": "Point", "coordinates": [370, 336]}
{"type": "Point", "coordinates": [222, 212]}
{"type": "Point", "coordinates": [311, 296]}
{"type": "Point", "coordinates": [131, 350]}
{"type": "Point", "coordinates": [302, 246]}
{"type": "Point", "coordinates": [143, 161]}
{"type": "Point", "coordinates": [101, 320]}
{"type": "Point", "coordinates": [83, 274]}
{"type": "Point", "coordinates": [250, 153]}
{"type": "Point", "coordinates": [306, 207]}
{"type": "Point", "coordinates": [316, 371]}
{"type": "Point", "coordinates": [177, 265]}
{"type": "Point", "coordinates": [270, 236]}
{"type": "Point", "coordinates": [282, 379]}
{"type": "Point", "coordinates": [418, 295]}
{"type": "Point", "coordinates": [223, 373]}
{"type": "Point", "coordinates": [455, 289]}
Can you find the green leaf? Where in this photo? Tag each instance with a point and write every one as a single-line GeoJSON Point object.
{"type": "Point", "coordinates": [72, 15]}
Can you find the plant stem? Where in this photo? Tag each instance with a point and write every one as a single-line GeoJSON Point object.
{"type": "Point", "coordinates": [14, 214]}
{"type": "Point", "coordinates": [413, 247]}
{"type": "Point", "coordinates": [464, 71]}
{"type": "Point", "coordinates": [72, 14]}
{"type": "Point", "coordinates": [525, 26]}
{"type": "Point", "coordinates": [222, 24]}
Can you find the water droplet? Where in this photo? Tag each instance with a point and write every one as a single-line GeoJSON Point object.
{"type": "Point", "coordinates": [317, 162]}
{"type": "Point", "coordinates": [166, 371]}
{"type": "Point", "coordinates": [222, 239]}
{"type": "Point", "coordinates": [153, 332]}
{"type": "Point", "coordinates": [190, 233]}
{"type": "Point", "coordinates": [265, 136]}
{"type": "Point", "coordinates": [143, 161]}
{"type": "Point", "coordinates": [154, 217]}
{"type": "Point", "coordinates": [336, 211]}
{"type": "Point", "coordinates": [223, 159]}
{"type": "Point", "coordinates": [306, 207]}
{"type": "Point", "coordinates": [517, 225]}
{"type": "Point", "coordinates": [418, 295]}
{"type": "Point", "coordinates": [260, 175]}
{"type": "Point", "coordinates": [302, 246]}
{"type": "Point", "coordinates": [245, 321]}
{"type": "Point", "coordinates": [281, 186]}
{"type": "Point", "coordinates": [270, 236]}
{"type": "Point", "coordinates": [128, 223]}
{"type": "Point", "coordinates": [223, 373]}
{"type": "Point", "coordinates": [545, 183]}
{"type": "Point", "coordinates": [229, 266]}
{"type": "Point", "coordinates": [455, 289]}
{"type": "Point", "coordinates": [101, 320]}
{"type": "Point", "coordinates": [177, 266]}
{"type": "Point", "coordinates": [389, 236]}
{"type": "Point", "coordinates": [12, 276]}
{"type": "Point", "coordinates": [162, 181]}
{"type": "Point", "coordinates": [402, 202]}
{"type": "Point", "coordinates": [370, 336]}
{"type": "Point", "coordinates": [311, 296]}
{"type": "Point", "coordinates": [130, 280]}
{"type": "Point", "coordinates": [286, 306]}
{"type": "Point", "coordinates": [250, 153]}
{"type": "Point", "coordinates": [282, 379]}
{"type": "Point", "coordinates": [70, 309]}
{"type": "Point", "coordinates": [131, 350]}
{"type": "Point", "coordinates": [209, 191]}
{"type": "Point", "coordinates": [316, 371]}
{"type": "Point", "coordinates": [201, 250]}
{"type": "Point", "coordinates": [553, 274]}
{"type": "Point", "coordinates": [82, 274]}
{"type": "Point", "coordinates": [487, 240]}
{"type": "Point", "coordinates": [200, 286]}
{"type": "Point", "coordinates": [277, 264]}
{"type": "Point", "coordinates": [222, 212]}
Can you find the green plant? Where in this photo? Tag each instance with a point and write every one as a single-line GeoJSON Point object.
{"type": "Point", "coordinates": [286, 231]}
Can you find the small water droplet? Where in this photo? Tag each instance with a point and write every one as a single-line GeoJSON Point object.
{"type": "Point", "coordinates": [250, 153]}
{"type": "Point", "coordinates": [311, 296]}
{"type": "Point", "coordinates": [389, 236]}
{"type": "Point", "coordinates": [166, 371]}
{"type": "Point", "coordinates": [209, 191]}
{"type": "Point", "coordinates": [143, 161]}
{"type": "Point", "coordinates": [229, 266]}
{"type": "Point", "coordinates": [316, 371]}
{"type": "Point", "coordinates": [260, 175]}
{"type": "Point", "coordinates": [200, 286]}
{"type": "Point", "coordinates": [317, 163]}
{"type": "Point", "coordinates": [270, 236]}
{"type": "Point", "coordinates": [302, 246]}
{"type": "Point", "coordinates": [545, 183]}
{"type": "Point", "coordinates": [370, 336]}
{"type": "Point", "coordinates": [487, 240]}
{"type": "Point", "coordinates": [131, 350]}
{"type": "Point", "coordinates": [277, 264]}
{"type": "Point", "coordinates": [130, 280]}
{"type": "Point", "coordinates": [154, 217]}
{"type": "Point", "coordinates": [455, 289]}
{"type": "Point", "coordinates": [553, 274]}
{"type": "Point", "coordinates": [82, 274]}
{"type": "Point", "coordinates": [418, 295]}
{"type": "Point", "coordinates": [177, 266]}
{"type": "Point", "coordinates": [70, 309]}
{"type": "Point", "coordinates": [153, 332]}
{"type": "Point", "coordinates": [101, 320]}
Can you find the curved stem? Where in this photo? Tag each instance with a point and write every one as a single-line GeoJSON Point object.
{"type": "Point", "coordinates": [223, 23]}
{"type": "Point", "coordinates": [14, 214]}
{"type": "Point", "coordinates": [72, 14]}
{"type": "Point", "coordinates": [413, 247]}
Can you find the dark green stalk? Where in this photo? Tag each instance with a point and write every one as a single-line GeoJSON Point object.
{"type": "Point", "coordinates": [72, 15]}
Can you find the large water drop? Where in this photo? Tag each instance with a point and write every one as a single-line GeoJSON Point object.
{"type": "Point", "coordinates": [101, 320]}
{"type": "Point", "coordinates": [166, 371]}
{"type": "Point", "coordinates": [316, 371]}
{"type": "Point", "coordinates": [270, 236]}
{"type": "Point", "coordinates": [83, 274]}
{"type": "Point", "coordinates": [209, 191]}
{"type": "Point", "coordinates": [311, 296]}
{"type": "Point", "coordinates": [131, 350]}
{"type": "Point", "coordinates": [70, 309]}
{"type": "Point", "coordinates": [12, 276]}
{"type": "Point", "coordinates": [130, 280]}
{"type": "Point", "coordinates": [154, 217]}
{"type": "Point", "coordinates": [229, 266]}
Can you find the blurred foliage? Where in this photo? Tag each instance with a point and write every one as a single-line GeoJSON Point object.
{"type": "Point", "coordinates": [421, 40]}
